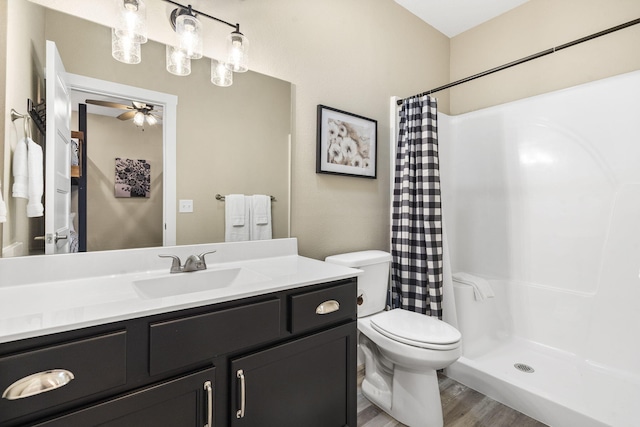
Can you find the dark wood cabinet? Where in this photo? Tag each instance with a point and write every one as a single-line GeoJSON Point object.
{"type": "Point", "coordinates": [296, 350]}
{"type": "Point", "coordinates": [184, 402]}
{"type": "Point", "coordinates": [306, 382]}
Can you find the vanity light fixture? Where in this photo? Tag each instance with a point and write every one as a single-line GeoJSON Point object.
{"type": "Point", "coordinates": [238, 51]}
{"type": "Point", "coordinates": [189, 30]}
{"type": "Point", "coordinates": [178, 62]}
{"type": "Point", "coordinates": [184, 20]}
{"type": "Point", "coordinates": [220, 74]}
{"type": "Point", "coordinates": [130, 31]}
{"type": "Point", "coordinates": [124, 49]}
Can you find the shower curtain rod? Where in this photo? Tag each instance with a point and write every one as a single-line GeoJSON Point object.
{"type": "Point", "coordinates": [530, 57]}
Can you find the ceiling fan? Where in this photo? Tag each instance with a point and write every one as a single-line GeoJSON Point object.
{"type": "Point", "coordinates": [140, 112]}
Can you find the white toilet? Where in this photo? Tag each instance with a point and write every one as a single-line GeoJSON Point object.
{"type": "Point", "coordinates": [402, 350]}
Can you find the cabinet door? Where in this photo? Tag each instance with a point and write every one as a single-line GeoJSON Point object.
{"type": "Point", "coordinates": [183, 402]}
{"type": "Point", "coordinates": [308, 382]}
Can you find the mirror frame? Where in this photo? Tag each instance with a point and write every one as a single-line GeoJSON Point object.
{"type": "Point", "coordinates": [169, 136]}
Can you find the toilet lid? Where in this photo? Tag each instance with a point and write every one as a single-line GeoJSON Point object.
{"type": "Point", "coordinates": [416, 329]}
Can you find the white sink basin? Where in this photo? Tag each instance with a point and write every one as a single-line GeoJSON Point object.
{"type": "Point", "coordinates": [198, 281]}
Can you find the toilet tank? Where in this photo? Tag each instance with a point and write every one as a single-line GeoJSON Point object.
{"type": "Point", "coordinates": [373, 282]}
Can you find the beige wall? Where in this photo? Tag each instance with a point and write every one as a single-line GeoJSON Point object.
{"type": "Point", "coordinates": [350, 55]}
{"type": "Point", "coordinates": [24, 74]}
{"type": "Point", "coordinates": [536, 26]}
{"type": "Point", "coordinates": [121, 223]}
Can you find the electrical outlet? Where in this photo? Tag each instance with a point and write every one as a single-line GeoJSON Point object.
{"type": "Point", "coordinates": [186, 206]}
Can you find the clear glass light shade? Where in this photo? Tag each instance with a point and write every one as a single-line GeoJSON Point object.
{"type": "Point", "coordinates": [220, 74]}
{"type": "Point", "coordinates": [138, 119]}
{"type": "Point", "coordinates": [132, 20]}
{"type": "Point", "coordinates": [125, 49]}
{"type": "Point", "coordinates": [189, 32]}
{"type": "Point", "coordinates": [151, 120]}
{"type": "Point", "coordinates": [178, 62]}
{"type": "Point", "coordinates": [237, 52]}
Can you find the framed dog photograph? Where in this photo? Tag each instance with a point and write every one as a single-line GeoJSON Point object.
{"type": "Point", "coordinates": [346, 143]}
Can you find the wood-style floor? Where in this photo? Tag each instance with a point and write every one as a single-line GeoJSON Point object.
{"type": "Point", "coordinates": [462, 407]}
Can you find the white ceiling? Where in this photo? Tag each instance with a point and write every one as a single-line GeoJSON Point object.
{"type": "Point", "coordinates": [452, 17]}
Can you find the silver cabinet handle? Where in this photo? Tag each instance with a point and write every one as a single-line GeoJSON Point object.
{"type": "Point", "coordinates": [37, 383]}
{"type": "Point", "coordinates": [328, 307]}
{"type": "Point", "coordinates": [209, 390]}
{"type": "Point", "coordinates": [240, 376]}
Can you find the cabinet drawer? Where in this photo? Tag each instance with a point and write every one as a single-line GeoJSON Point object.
{"type": "Point", "coordinates": [97, 364]}
{"type": "Point", "coordinates": [316, 309]}
{"type": "Point", "coordinates": [189, 340]}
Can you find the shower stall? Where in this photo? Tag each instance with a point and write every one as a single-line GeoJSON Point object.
{"type": "Point", "coordinates": [541, 197]}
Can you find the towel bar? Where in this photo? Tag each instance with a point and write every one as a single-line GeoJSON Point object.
{"type": "Point", "coordinates": [221, 198]}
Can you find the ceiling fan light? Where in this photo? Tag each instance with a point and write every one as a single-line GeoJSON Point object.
{"type": "Point", "coordinates": [125, 49]}
{"type": "Point", "coordinates": [220, 74]}
{"type": "Point", "coordinates": [178, 62]}
{"type": "Point", "coordinates": [151, 119]}
{"type": "Point", "coordinates": [138, 119]}
{"type": "Point", "coordinates": [132, 20]}
{"type": "Point", "coordinates": [189, 30]}
{"type": "Point", "coordinates": [237, 52]}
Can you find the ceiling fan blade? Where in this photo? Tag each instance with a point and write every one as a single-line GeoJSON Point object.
{"type": "Point", "coordinates": [128, 115]}
{"type": "Point", "coordinates": [108, 104]}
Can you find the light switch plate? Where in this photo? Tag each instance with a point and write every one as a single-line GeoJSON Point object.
{"type": "Point", "coordinates": [185, 206]}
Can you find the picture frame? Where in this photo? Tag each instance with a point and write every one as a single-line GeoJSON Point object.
{"type": "Point", "coordinates": [347, 143]}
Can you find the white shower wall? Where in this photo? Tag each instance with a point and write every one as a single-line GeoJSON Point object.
{"type": "Point", "coordinates": [544, 194]}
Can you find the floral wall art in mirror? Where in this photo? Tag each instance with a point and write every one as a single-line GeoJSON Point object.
{"type": "Point", "coordinates": [346, 143]}
{"type": "Point", "coordinates": [133, 178]}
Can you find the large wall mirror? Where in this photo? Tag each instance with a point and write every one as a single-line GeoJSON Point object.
{"type": "Point", "coordinates": [228, 140]}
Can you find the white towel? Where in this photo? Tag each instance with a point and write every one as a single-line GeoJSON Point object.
{"type": "Point", "coordinates": [36, 179]}
{"type": "Point", "coordinates": [235, 209]}
{"type": "Point", "coordinates": [3, 208]}
{"type": "Point", "coordinates": [237, 225]}
{"type": "Point", "coordinates": [481, 288]}
{"type": "Point", "coordinates": [20, 170]}
{"type": "Point", "coordinates": [260, 217]}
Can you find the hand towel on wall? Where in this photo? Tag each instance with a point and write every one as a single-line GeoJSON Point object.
{"type": "Point", "coordinates": [36, 179]}
{"type": "Point", "coordinates": [236, 224]}
{"type": "Point", "coordinates": [20, 170]}
{"type": "Point", "coordinates": [481, 287]}
{"type": "Point", "coordinates": [235, 209]}
{"type": "Point", "coordinates": [260, 217]}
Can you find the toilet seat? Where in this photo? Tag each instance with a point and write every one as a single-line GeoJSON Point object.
{"type": "Point", "coordinates": [416, 329]}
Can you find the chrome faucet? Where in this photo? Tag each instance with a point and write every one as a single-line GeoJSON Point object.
{"type": "Point", "coordinates": [193, 263]}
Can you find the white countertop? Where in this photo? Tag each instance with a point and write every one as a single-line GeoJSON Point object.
{"type": "Point", "coordinates": [47, 294]}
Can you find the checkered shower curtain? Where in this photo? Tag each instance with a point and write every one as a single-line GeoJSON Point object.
{"type": "Point", "coordinates": [416, 232]}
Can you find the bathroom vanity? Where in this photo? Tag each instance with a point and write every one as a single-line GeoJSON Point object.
{"type": "Point", "coordinates": [273, 344]}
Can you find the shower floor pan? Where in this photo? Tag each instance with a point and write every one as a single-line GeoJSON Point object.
{"type": "Point", "coordinates": [552, 386]}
